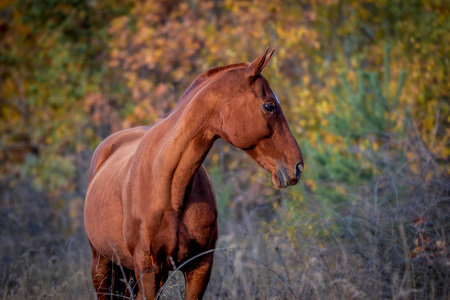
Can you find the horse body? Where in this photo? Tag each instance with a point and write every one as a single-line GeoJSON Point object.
{"type": "Point", "coordinates": [150, 203]}
{"type": "Point", "coordinates": [154, 233]}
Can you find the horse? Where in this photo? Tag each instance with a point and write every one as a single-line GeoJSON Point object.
{"type": "Point", "coordinates": [150, 204]}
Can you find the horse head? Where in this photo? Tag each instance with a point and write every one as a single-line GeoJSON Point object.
{"type": "Point", "coordinates": [251, 119]}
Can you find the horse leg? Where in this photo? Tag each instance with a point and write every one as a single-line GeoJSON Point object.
{"type": "Point", "coordinates": [197, 278]}
{"type": "Point", "coordinates": [131, 286]}
{"type": "Point", "coordinates": [100, 269]}
{"type": "Point", "coordinates": [146, 276]}
{"type": "Point", "coordinates": [122, 282]}
{"type": "Point", "coordinates": [162, 277]}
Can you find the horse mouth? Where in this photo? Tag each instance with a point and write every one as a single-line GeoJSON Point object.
{"type": "Point", "coordinates": [281, 180]}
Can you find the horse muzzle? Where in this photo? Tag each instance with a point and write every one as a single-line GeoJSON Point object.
{"type": "Point", "coordinates": [284, 177]}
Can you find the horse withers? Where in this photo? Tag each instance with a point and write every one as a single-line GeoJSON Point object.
{"type": "Point", "coordinates": [150, 204]}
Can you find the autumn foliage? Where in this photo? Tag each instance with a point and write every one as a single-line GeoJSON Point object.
{"type": "Point", "coordinates": [364, 86]}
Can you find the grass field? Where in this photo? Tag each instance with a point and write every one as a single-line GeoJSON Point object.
{"type": "Point", "coordinates": [366, 250]}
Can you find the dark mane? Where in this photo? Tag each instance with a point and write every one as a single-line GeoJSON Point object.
{"type": "Point", "coordinates": [206, 75]}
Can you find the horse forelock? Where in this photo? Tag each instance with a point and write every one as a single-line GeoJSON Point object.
{"type": "Point", "coordinates": [209, 74]}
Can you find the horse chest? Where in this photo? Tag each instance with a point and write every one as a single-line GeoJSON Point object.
{"type": "Point", "coordinates": [196, 237]}
{"type": "Point", "coordinates": [180, 237]}
{"type": "Point", "coordinates": [197, 231]}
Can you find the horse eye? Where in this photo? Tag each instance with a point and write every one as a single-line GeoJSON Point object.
{"type": "Point", "coordinates": [269, 107]}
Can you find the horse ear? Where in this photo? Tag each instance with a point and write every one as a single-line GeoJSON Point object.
{"type": "Point", "coordinates": [256, 67]}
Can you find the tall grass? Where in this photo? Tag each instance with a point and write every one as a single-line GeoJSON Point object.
{"type": "Point", "coordinates": [364, 259]}
{"type": "Point", "coordinates": [390, 241]}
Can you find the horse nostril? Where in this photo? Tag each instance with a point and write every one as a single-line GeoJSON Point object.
{"type": "Point", "coordinates": [299, 170]}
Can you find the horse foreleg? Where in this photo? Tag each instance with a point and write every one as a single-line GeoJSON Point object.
{"type": "Point", "coordinates": [146, 276]}
{"type": "Point", "coordinates": [100, 270]}
{"type": "Point", "coordinates": [162, 278]}
{"type": "Point", "coordinates": [197, 278]}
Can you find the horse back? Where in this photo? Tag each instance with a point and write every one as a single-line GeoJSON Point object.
{"type": "Point", "coordinates": [111, 144]}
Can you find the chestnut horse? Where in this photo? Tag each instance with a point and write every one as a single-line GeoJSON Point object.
{"type": "Point", "coordinates": [150, 204]}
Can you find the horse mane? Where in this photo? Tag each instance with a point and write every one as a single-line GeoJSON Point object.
{"type": "Point", "coordinates": [206, 75]}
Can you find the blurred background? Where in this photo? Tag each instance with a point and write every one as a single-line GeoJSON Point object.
{"type": "Point", "coordinates": [366, 91]}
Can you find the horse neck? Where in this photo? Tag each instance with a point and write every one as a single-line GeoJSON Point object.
{"type": "Point", "coordinates": [187, 136]}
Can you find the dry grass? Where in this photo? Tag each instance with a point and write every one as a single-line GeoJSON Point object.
{"type": "Point", "coordinates": [391, 242]}
{"type": "Point", "coordinates": [364, 261]}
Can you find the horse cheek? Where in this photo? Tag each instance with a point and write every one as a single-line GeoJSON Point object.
{"type": "Point", "coordinates": [241, 132]}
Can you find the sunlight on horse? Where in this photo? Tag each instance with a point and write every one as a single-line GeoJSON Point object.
{"type": "Point", "coordinates": [150, 204]}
